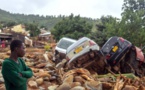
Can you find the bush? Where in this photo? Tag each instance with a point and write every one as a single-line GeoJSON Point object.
{"type": "Point", "coordinates": [47, 47]}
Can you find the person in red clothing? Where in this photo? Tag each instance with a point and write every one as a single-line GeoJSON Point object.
{"type": "Point", "coordinates": [3, 43]}
{"type": "Point", "coordinates": [14, 70]}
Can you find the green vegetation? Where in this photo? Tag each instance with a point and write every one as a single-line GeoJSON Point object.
{"type": "Point", "coordinates": [132, 23]}
{"type": "Point", "coordinates": [42, 21]}
{"type": "Point", "coordinates": [115, 76]}
{"type": "Point", "coordinates": [131, 26]}
{"type": "Point", "coordinates": [33, 28]}
{"type": "Point", "coordinates": [47, 47]}
{"type": "Point", "coordinates": [72, 27]}
{"type": "Point", "coordinates": [48, 21]}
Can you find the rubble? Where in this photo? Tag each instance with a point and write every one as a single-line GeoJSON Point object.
{"type": "Point", "coordinates": [48, 76]}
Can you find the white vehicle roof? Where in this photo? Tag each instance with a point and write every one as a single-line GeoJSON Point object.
{"type": "Point", "coordinates": [64, 43]}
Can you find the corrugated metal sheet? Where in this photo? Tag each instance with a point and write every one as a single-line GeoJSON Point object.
{"type": "Point", "coordinates": [5, 35]}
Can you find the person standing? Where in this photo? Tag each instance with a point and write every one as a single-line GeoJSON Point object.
{"type": "Point", "coordinates": [3, 43]}
{"type": "Point", "coordinates": [14, 70]}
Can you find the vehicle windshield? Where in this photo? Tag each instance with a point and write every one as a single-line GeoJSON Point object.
{"type": "Point", "coordinates": [64, 44]}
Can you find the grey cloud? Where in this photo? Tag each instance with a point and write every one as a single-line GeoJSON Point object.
{"type": "Point", "coordinates": [94, 8]}
{"type": "Point", "coordinates": [23, 6]}
{"type": "Point", "coordinates": [37, 3]}
{"type": "Point", "coordinates": [109, 7]}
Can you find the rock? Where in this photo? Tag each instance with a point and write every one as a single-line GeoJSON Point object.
{"type": "Point", "coordinates": [35, 70]}
{"type": "Point", "coordinates": [32, 78]}
{"type": "Point", "coordinates": [39, 81]}
{"type": "Point", "coordinates": [93, 85]}
{"type": "Point", "coordinates": [41, 88]}
{"type": "Point", "coordinates": [79, 88]}
{"type": "Point", "coordinates": [64, 86]}
{"type": "Point", "coordinates": [128, 87]}
{"type": "Point", "coordinates": [52, 87]}
{"type": "Point", "coordinates": [46, 78]}
{"type": "Point", "coordinates": [32, 84]}
{"type": "Point", "coordinates": [141, 87]}
{"type": "Point", "coordinates": [43, 74]}
{"type": "Point", "coordinates": [41, 70]}
{"type": "Point", "coordinates": [74, 84]}
{"type": "Point", "coordinates": [79, 79]}
{"type": "Point", "coordinates": [40, 65]}
{"type": "Point", "coordinates": [68, 79]}
{"type": "Point", "coordinates": [53, 78]}
{"type": "Point", "coordinates": [106, 86]}
{"type": "Point", "coordinates": [49, 65]}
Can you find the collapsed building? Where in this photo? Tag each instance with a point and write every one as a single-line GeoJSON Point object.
{"type": "Point", "coordinates": [15, 32]}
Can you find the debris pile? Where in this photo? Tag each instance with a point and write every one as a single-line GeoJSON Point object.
{"type": "Point", "coordinates": [48, 76]}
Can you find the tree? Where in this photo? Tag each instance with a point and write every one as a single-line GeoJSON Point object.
{"type": "Point", "coordinates": [9, 24]}
{"type": "Point", "coordinates": [107, 27]}
{"type": "Point", "coordinates": [34, 30]}
{"type": "Point", "coordinates": [72, 27]}
{"type": "Point", "coordinates": [133, 21]}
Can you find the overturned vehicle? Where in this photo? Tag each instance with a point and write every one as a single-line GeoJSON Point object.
{"type": "Point", "coordinates": [123, 56]}
{"type": "Point", "coordinates": [117, 55]}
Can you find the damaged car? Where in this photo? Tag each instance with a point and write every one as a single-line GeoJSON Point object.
{"type": "Point", "coordinates": [81, 52]}
{"type": "Point", "coordinates": [80, 47]}
{"type": "Point", "coordinates": [115, 48]}
{"type": "Point", "coordinates": [123, 56]}
{"type": "Point", "coordinates": [117, 55]}
{"type": "Point", "coordinates": [61, 47]}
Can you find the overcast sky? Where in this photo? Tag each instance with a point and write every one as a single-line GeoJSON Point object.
{"type": "Point", "coordinates": [84, 8]}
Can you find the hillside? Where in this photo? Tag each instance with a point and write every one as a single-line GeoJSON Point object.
{"type": "Point", "coordinates": [48, 21]}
